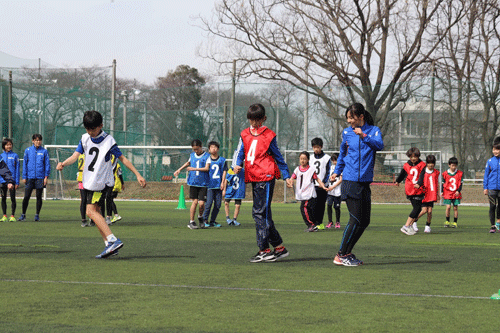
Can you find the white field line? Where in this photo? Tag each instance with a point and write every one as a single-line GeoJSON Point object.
{"type": "Point", "coordinates": [242, 289]}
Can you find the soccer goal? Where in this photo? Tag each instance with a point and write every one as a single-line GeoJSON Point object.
{"type": "Point", "coordinates": [388, 164]}
{"type": "Point", "coordinates": [155, 163]}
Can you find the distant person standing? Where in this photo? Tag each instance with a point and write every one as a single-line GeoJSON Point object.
{"type": "Point", "coordinates": [36, 171]}
{"type": "Point", "coordinates": [12, 161]}
{"type": "Point", "coordinates": [491, 185]}
{"type": "Point", "coordinates": [197, 181]}
{"type": "Point", "coordinates": [452, 191]}
{"type": "Point", "coordinates": [321, 163]}
{"type": "Point", "coordinates": [356, 165]}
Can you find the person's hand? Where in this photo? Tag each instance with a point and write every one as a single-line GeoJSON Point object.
{"type": "Point", "coordinates": [190, 168]}
{"type": "Point", "coordinates": [237, 169]}
{"type": "Point", "coordinates": [10, 186]}
{"type": "Point", "coordinates": [176, 173]}
{"type": "Point", "coordinates": [45, 180]}
{"type": "Point", "coordinates": [141, 181]}
{"type": "Point", "coordinates": [358, 131]}
{"type": "Point", "coordinates": [289, 182]}
{"type": "Point", "coordinates": [123, 187]}
{"type": "Point", "coordinates": [416, 186]}
{"type": "Point", "coordinates": [396, 183]}
{"type": "Point", "coordinates": [59, 166]}
{"type": "Point", "coordinates": [333, 176]}
{"type": "Point", "coordinates": [24, 181]}
{"type": "Point", "coordinates": [17, 186]}
{"type": "Point", "coordinates": [485, 192]}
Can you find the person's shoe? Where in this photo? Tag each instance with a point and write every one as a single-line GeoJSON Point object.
{"type": "Point", "coordinates": [84, 224]}
{"type": "Point", "coordinates": [108, 220]}
{"type": "Point", "coordinates": [229, 221]}
{"type": "Point", "coordinates": [355, 260]}
{"type": "Point", "coordinates": [320, 226]}
{"type": "Point", "coordinates": [347, 260]}
{"type": "Point", "coordinates": [4, 219]}
{"type": "Point", "coordinates": [37, 218]}
{"type": "Point", "coordinates": [110, 249]}
{"type": "Point", "coordinates": [280, 253]}
{"type": "Point", "coordinates": [493, 229]}
{"type": "Point", "coordinates": [91, 223]}
{"type": "Point", "coordinates": [12, 218]}
{"type": "Point", "coordinates": [407, 230]}
{"type": "Point", "coordinates": [192, 225]}
{"type": "Point", "coordinates": [454, 225]}
{"type": "Point", "coordinates": [337, 225]}
{"type": "Point", "coordinates": [214, 225]}
{"type": "Point", "coordinates": [200, 220]}
{"type": "Point", "coordinates": [22, 218]}
{"type": "Point", "coordinates": [427, 229]}
{"type": "Point", "coordinates": [205, 225]}
{"type": "Point", "coordinates": [265, 255]}
{"type": "Point", "coordinates": [337, 260]}
{"type": "Point", "coordinates": [446, 224]}
{"type": "Point", "coordinates": [329, 225]}
{"type": "Point", "coordinates": [497, 225]}
{"type": "Point", "coordinates": [414, 225]}
{"type": "Point", "coordinates": [116, 218]}
{"type": "Point", "coordinates": [312, 228]}
{"type": "Point", "coordinates": [236, 223]}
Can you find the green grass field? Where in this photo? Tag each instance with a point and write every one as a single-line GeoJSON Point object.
{"type": "Point", "coordinates": [168, 278]}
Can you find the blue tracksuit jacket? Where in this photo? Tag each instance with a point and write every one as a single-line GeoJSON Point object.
{"type": "Point", "coordinates": [357, 165]}
{"type": "Point", "coordinates": [36, 164]}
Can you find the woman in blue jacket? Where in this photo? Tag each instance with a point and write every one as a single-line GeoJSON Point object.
{"type": "Point", "coordinates": [12, 161]}
{"type": "Point", "coordinates": [491, 185]}
{"type": "Point", "coordinates": [36, 171]}
{"type": "Point", "coordinates": [356, 160]}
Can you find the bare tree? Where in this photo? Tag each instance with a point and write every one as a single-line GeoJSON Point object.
{"type": "Point", "coordinates": [372, 47]}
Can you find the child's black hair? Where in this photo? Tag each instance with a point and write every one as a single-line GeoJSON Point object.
{"type": "Point", "coordinates": [430, 159]}
{"type": "Point", "coordinates": [453, 160]}
{"type": "Point", "coordinates": [256, 112]}
{"type": "Point", "coordinates": [413, 151]}
{"type": "Point", "coordinates": [92, 119]}
{"type": "Point", "coordinates": [358, 110]}
{"type": "Point", "coordinates": [36, 136]}
{"type": "Point", "coordinates": [305, 153]}
{"type": "Point", "coordinates": [334, 157]}
{"type": "Point", "coordinates": [496, 142]}
{"type": "Point", "coordinates": [196, 143]}
{"type": "Point", "coordinates": [213, 143]}
{"type": "Point", "coordinates": [317, 142]}
{"type": "Point", "coordinates": [5, 142]}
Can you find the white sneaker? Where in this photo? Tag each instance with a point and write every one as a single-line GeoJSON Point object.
{"type": "Point", "coordinates": [408, 230]}
{"type": "Point", "coordinates": [415, 226]}
{"type": "Point", "coordinates": [427, 229]}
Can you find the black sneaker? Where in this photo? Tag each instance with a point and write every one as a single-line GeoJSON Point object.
{"type": "Point", "coordinates": [84, 224]}
{"type": "Point", "coordinates": [265, 255]}
{"type": "Point", "coordinates": [280, 254]}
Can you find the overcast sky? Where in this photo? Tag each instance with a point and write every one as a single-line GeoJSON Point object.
{"type": "Point", "coordinates": [147, 38]}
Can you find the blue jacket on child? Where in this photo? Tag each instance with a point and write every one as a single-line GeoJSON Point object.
{"type": "Point", "coordinates": [36, 164]}
{"type": "Point", "coordinates": [12, 160]}
{"type": "Point", "coordinates": [491, 179]}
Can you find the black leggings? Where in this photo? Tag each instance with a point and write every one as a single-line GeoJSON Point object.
{"type": "Point", "coordinates": [26, 200]}
{"type": "Point", "coordinates": [83, 205]}
{"type": "Point", "coordinates": [494, 206]}
{"type": "Point", "coordinates": [110, 202]}
{"type": "Point", "coordinates": [12, 199]}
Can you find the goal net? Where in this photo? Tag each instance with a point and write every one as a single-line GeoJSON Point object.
{"type": "Point", "coordinates": [388, 165]}
{"type": "Point", "coordinates": [155, 163]}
